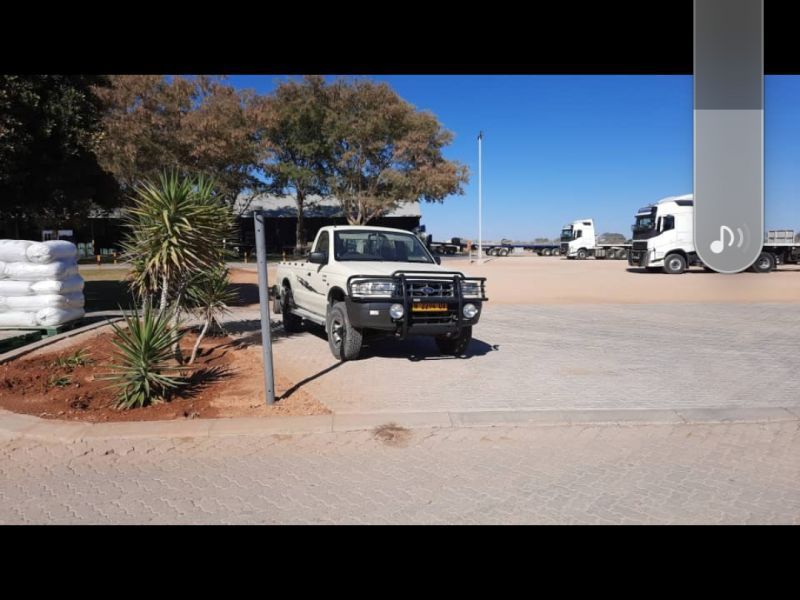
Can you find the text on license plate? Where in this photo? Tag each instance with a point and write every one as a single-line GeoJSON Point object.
{"type": "Point", "coordinates": [429, 307]}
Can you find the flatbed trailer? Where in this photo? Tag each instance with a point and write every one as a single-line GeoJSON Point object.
{"type": "Point", "coordinates": [780, 243]}
{"type": "Point", "coordinates": [506, 248]}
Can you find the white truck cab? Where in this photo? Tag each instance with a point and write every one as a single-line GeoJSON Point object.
{"type": "Point", "coordinates": [361, 280]}
{"type": "Point", "coordinates": [665, 229]}
{"type": "Point", "coordinates": [578, 239]}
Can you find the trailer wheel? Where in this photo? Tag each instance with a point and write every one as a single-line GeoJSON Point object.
{"type": "Point", "coordinates": [504, 252]}
{"type": "Point", "coordinates": [582, 254]}
{"type": "Point", "coordinates": [545, 252]}
{"type": "Point", "coordinates": [623, 254]}
{"type": "Point", "coordinates": [764, 263]}
{"type": "Point", "coordinates": [674, 264]}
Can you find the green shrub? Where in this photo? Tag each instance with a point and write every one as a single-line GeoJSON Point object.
{"type": "Point", "coordinates": [142, 367]}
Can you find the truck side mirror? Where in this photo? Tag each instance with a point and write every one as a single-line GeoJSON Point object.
{"type": "Point", "coordinates": [318, 258]}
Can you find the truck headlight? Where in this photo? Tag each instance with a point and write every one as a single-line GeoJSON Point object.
{"type": "Point", "coordinates": [470, 310]}
{"type": "Point", "coordinates": [471, 289]}
{"type": "Point", "coordinates": [373, 289]}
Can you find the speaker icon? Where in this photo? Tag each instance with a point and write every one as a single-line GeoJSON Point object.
{"type": "Point", "coordinates": [717, 246]}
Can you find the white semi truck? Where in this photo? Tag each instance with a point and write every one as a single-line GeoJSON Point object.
{"type": "Point", "coordinates": [578, 240]}
{"type": "Point", "coordinates": [663, 240]}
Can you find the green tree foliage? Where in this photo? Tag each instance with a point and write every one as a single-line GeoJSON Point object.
{"type": "Point", "coordinates": [189, 124]}
{"type": "Point", "coordinates": [143, 370]}
{"type": "Point", "coordinates": [176, 227]}
{"type": "Point", "coordinates": [208, 295]}
{"type": "Point", "coordinates": [383, 151]}
{"type": "Point", "coordinates": [50, 129]}
{"type": "Point", "coordinates": [290, 125]}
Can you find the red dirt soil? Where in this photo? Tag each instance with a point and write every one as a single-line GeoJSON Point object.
{"type": "Point", "coordinates": [36, 385]}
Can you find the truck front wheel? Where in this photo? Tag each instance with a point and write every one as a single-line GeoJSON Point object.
{"type": "Point", "coordinates": [582, 254]}
{"type": "Point", "coordinates": [343, 339]}
{"type": "Point", "coordinates": [455, 343]}
{"type": "Point", "coordinates": [291, 322]}
{"type": "Point", "coordinates": [764, 263]}
{"type": "Point", "coordinates": [674, 264]}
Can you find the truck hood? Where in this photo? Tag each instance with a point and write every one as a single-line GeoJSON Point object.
{"type": "Point", "coordinates": [387, 268]}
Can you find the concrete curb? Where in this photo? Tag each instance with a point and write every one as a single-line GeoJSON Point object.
{"type": "Point", "coordinates": [17, 352]}
{"type": "Point", "coordinates": [15, 426]}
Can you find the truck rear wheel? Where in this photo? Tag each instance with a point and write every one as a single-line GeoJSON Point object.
{"type": "Point", "coordinates": [764, 263]}
{"type": "Point", "coordinates": [344, 339]}
{"type": "Point", "coordinates": [291, 322]}
{"type": "Point", "coordinates": [455, 343]}
{"type": "Point", "coordinates": [674, 264]}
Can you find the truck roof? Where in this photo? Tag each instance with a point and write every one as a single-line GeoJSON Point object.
{"type": "Point", "coordinates": [686, 199]}
{"type": "Point", "coordinates": [363, 227]}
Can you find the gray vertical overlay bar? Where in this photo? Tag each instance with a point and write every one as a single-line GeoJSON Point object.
{"type": "Point", "coordinates": [728, 132]}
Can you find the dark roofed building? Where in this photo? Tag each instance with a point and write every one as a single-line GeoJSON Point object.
{"type": "Point", "coordinates": [281, 218]}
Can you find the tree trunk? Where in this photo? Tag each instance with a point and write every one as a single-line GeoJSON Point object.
{"type": "Point", "coordinates": [300, 232]}
{"type": "Point", "coordinates": [199, 339]}
{"type": "Point", "coordinates": [164, 289]}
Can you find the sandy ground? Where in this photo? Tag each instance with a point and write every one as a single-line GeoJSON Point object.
{"type": "Point", "coordinates": [551, 280]}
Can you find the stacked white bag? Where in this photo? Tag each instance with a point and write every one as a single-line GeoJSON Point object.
{"type": "Point", "coordinates": [39, 283]}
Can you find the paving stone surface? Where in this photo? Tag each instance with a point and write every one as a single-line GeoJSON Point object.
{"type": "Point", "coordinates": [678, 473]}
{"type": "Point", "coordinates": [678, 356]}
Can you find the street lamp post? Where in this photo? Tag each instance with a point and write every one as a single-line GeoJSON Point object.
{"type": "Point", "coordinates": [480, 200]}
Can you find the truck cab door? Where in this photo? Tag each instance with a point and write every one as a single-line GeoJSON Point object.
{"type": "Point", "coordinates": [315, 277]}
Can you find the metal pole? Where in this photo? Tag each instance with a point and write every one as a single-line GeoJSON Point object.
{"type": "Point", "coordinates": [263, 298]}
{"type": "Point", "coordinates": [480, 200]}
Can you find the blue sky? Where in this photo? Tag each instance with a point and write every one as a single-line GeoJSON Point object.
{"type": "Point", "coordinates": [559, 148]}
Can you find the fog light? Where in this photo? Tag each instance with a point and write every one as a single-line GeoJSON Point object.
{"type": "Point", "coordinates": [396, 311]}
{"type": "Point", "coordinates": [470, 310]}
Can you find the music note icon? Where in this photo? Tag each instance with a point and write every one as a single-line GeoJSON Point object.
{"type": "Point", "coordinates": [717, 246]}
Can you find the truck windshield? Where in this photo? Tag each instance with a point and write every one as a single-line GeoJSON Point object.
{"type": "Point", "coordinates": [386, 246]}
{"type": "Point", "coordinates": [644, 223]}
{"type": "Point", "coordinates": [566, 234]}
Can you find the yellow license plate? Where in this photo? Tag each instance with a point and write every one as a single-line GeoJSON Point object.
{"type": "Point", "coordinates": [429, 307]}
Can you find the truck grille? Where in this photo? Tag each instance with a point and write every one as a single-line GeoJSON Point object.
{"type": "Point", "coordinates": [564, 248]}
{"type": "Point", "coordinates": [423, 289]}
{"type": "Point", "coordinates": [640, 245]}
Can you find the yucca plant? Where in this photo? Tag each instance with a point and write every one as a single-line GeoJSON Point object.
{"type": "Point", "coordinates": [209, 295]}
{"type": "Point", "coordinates": [176, 227]}
{"type": "Point", "coordinates": [142, 369]}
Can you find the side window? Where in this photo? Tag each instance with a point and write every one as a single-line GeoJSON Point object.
{"type": "Point", "coordinates": [669, 223]}
{"type": "Point", "coordinates": [579, 233]}
{"type": "Point", "coordinates": [322, 243]}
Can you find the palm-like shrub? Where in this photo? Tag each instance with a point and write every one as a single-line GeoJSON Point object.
{"type": "Point", "coordinates": [143, 369]}
{"type": "Point", "coordinates": [208, 295]}
{"type": "Point", "coordinates": [176, 229]}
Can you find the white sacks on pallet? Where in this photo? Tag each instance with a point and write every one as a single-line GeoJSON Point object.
{"type": "Point", "coordinates": [39, 283]}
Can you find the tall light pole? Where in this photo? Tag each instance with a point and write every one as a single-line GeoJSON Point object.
{"type": "Point", "coordinates": [480, 200]}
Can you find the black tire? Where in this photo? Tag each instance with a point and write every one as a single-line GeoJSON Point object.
{"type": "Point", "coordinates": [764, 263]}
{"type": "Point", "coordinates": [456, 343]}
{"type": "Point", "coordinates": [545, 252]}
{"type": "Point", "coordinates": [674, 264]}
{"type": "Point", "coordinates": [344, 339]}
{"type": "Point", "coordinates": [623, 255]}
{"type": "Point", "coordinates": [582, 254]}
{"type": "Point", "coordinates": [291, 322]}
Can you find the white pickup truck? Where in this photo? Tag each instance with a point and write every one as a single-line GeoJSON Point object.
{"type": "Point", "coordinates": [360, 281]}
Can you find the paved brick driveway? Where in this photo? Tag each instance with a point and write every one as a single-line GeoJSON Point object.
{"type": "Point", "coordinates": [569, 357]}
{"type": "Point", "coordinates": [734, 473]}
